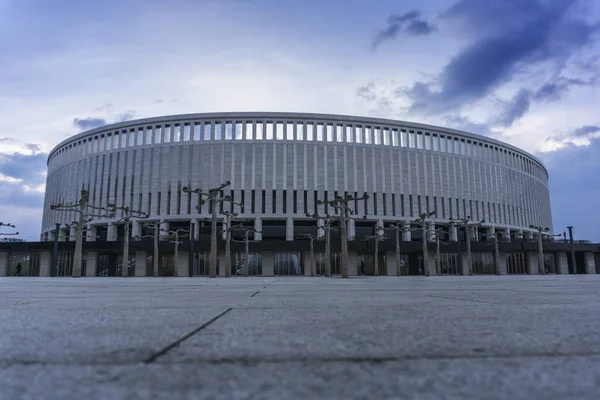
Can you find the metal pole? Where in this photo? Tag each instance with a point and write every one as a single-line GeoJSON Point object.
{"type": "Point", "coordinates": [570, 228]}
{"type": "Point", "coordinates": [54, 267]}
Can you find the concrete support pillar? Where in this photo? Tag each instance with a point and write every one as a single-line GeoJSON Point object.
{"type": "Point", "coordinates": [258, 227]}
{"type": "Point", "coordinates": [562, 263]}
{"type": "Point", "coordinates": [182, 263]}
{"type": "Point", "coordinates": [465, 266]}
{"type": "Point", "coordinates": [136, 228]}
{"type": "Point", "coordinates": [503, 269]}
{"type": "Point", "coordinates": [519, 234]}
{"type": "Point", "coordinates": [72, 233]}
{"type": "Point", "coordinates": [45, 262]}
{"type": "Point", "coordinates": [506, 234]}
{"type": "Point", "coordinates": [62, 235]}
{"type": "Point", "coordinates": [352, 263]}
{"type": "Point", "coordinates": [164, 230]}
{"type": "Point", "coordinates": [430, 231]}
{"type": "Point", "coordinates": [351, 229]}
{"type": "Point", "coordinates": [289, 230]}
{"type": "Point", "coordinates": [453, 233]}
{"type": "Point", "coordinates": [406, 234]}
{"type": "Point", "coordinates": [589, 262]}
{"type": "Point", "coordinates": [390, 263]}
{"type": "Point", "coordinates": [44, 237]}
{"type": "Point", "coordinates": [431, 263]}
{"type": "Point", "coordinates": [3, 263]}
{"type": "Point", "coordinates": [91, 233]}
{"type": "Point", "coordinates": [140, 263]}
{"type": "Point", "coordinates": [528, 235]}
{"type": "Point", "coordinates": [474, 233]}
{"type": "Point", "coordinates": [532, 263]}
{"type": "Point", "coordinates": [268, 263]}
{"type": "Point", "coordinates": [490, 232]}
{"type": "Point", "coordinates": [51, 236]}
{"type": "Point", "coordinates": [379, 232]}
{"type": "Point", "coordinates": [320, 230]}
{"type": "Point", "coordinates": [111, 233]}
{"type": "Point", "coordinates": [196, 229]}
{"type": "Point", "coordinates": [91, 263]}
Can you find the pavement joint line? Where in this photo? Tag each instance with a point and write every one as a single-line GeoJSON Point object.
{"type": "Point", "coordinates": [459, 299]}
{"type": "Point", "coordinates": [176, 343]}
{"type": "Point", "coordinates": [300, 359]}
{"type": "Point", "coordinates": [255, 293]}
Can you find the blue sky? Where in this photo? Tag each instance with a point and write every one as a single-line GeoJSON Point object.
{"type": "Point", "coordinates": [523, 71]}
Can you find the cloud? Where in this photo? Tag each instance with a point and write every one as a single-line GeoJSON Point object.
{"type": "Point", "coordinates": [409, 23]}
{"type": "Point", "coordinates": [367, 92]}
{"type": "Point", "coordinates": [579, 137]}
{"type": "Point", "coordinates": [88, 123]}
{"type": "Point", "coordinates": [28, 168]}
{"type": "Point", "coordinates": [574, 197]}
{"type": "Point", "coordinates": [126, 116]}
{"type": "Point", "coordinates": [511, 38]}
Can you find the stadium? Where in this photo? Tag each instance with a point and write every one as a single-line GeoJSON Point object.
{"type": "Point", "coordinates": [280, 166]}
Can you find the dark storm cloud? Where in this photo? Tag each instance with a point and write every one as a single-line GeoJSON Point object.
{"type": "Point", "coordinates": [88, 123]}
{"type": "Point", "coordinates": [571, 170]}
{"type": "Point", "coordinates": [406, 24]}
{"type": "Point", "coordinates": [509, 37]}
{"type": "Point", "coordinates": [585, 131]}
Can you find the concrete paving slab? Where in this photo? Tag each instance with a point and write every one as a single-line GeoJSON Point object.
{"type": "Point", "coordinates": [386, 337]}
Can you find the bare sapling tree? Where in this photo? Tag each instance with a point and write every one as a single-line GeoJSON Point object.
{"type": "Point", "coordinates": [227, 227]}
{"type": "Point", "coordinates": [399, 229]}
{"type": "Point", "coordinates": [377, 237]}
{"type": "Point", "coordinates": [342, 207]}
{"type": "Point", "coordinates": [438, 241]}
{"type": "Point", "coordinates": [327, 228]}
{"type": "Point", "coordinates": [311, 237]}
{"type": "Point", "coordinates": [248, 232]}
{"type": "Point", "coordinates": [214, 197]}
{"type": "Point", "coordinates": [155, 226]}
{"type": "Point", "coordinates": [467, 225]}
{"type": "Point", "coordinates": [174, 236]}
{"type": "Point", "coordinates": [86, 213]}
{"type": "Point", "coordinates": [127, 214]}
{"type": "Point", "coordinates": [540, 242]}
{"type": "Point", "coordinates": [422, 221]}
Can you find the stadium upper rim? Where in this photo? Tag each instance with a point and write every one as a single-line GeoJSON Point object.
{"type": "Point", "coordinates": [291, 115]}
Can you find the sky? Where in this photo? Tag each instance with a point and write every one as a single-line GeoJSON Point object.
{"type": "Point", "coordinates": [526, 72]}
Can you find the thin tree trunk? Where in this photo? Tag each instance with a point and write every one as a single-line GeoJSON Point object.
{"type": "Point", "coordinates": [247, 255]}
{"type": "Point", "coordinates": [496, 257]}
{"type": "Point", "coordinates": [78, 256]}
{"type": "Point", "coordinates": [398, 254]}
{"type": "Point", "coordinates": [155, 256]}
{"type": "Point", "coordinates": [469, 258]}
{"type": "Point", "coordinates": [213, 241]}
{"type": "Point", "coordinates": [376, 261]}
{"type": "Point", "coordinates": [327, 251]}
{"type": "Point", "coordinates": [228, 252]}
{"type": "Point", "coordinates": [175, 271]}
{"type": "Point", "coordinates": [426, 271]}
{"type": "Point", "coordinates": [312, 257]}
{"type": "Point", "coordinates": [125, 269]}
{"type": "Point", "coordinates": [438, 262]}
{"type": "Point", "coordinates": [541, 264]}
{"type": "Point", "coordinates": [344, 231]}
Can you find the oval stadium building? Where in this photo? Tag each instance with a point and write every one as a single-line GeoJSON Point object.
{"type": "Point", "coordinates": [281, 164]}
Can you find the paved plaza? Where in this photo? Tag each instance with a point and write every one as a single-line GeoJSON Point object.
{"type": "Point", "coordinates": [516, 337]}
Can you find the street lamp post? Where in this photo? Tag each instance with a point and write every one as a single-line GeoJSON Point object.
{"type": "Point", "coordinates": [128, 214]}
{"type": "Point", "coordinates": [541, 258]}
{"type": "Point", "coordinates": [312, 239]}
{"type": "Point", "coordinates": [247, 233]}
{"type": "Point", "coordinates": [465, 222]}
{"type": "Point", "coordinates": [570, 228]}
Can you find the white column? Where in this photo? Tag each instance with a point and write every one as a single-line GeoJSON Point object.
{"type": "Point", "coordinates": [164, 230]}
{"type": "Point", "coordinates": [111, 234]}
{"type": "Point", "coordinates": [258, 227]}
{"type": "Point", "coordinates": [532, 263]}
{"type": "Point", "coordinates": [430, 231]}
{"type": "Point", "coordinates": [506, 234]}
{"type": "Point", "coordinates": [136, 228]}
{"type": "Point", "coordinates": [562, 263]}
{"type": "Point", "coordinates": [267, 263]}
{"type": "Point", "coordinates": [91, 264]}
{"type": "Point", "coordinates": [182, 263]}
{"type": "Point", "coordinates": [63, 233]}
{"type": "Point", "coordinates": [45, 262]}
{"type": "Point", "coordinates": [590, 262]}
{"type": "Point", "coordinates": [197, 229]}
{"type": "Point", "coordinates": [351, 229]}
{"type": "Point", "coordinates": [91, 233]}
{"type": "Point", "coordinates": [379, 232]}
{"type": "Point", "coordinates": [320, 231]}
{"type": "Point", "coordinates": [289, 229]}
{"type": "Point", "coordinates": [352, 263]}
{"type": "Point", "coordinates": [406, 233]}
{"type": "Point", "coordinates": [453, 233]}
{"type": "Point", "coordinates": [490, 232]}
{"type": "Point", "coordinates": [390, 263]}
{"type": "Point", "coordinates": [3, 263]}
{"type": "Point", "coordinates": [140, 263]}
{"type": "Point", "coordinates": [72, 233]}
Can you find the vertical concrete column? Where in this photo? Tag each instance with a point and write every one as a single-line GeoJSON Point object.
{"type": "Point", "coordinates": [45, 262]}
{"type": "Point", "coordinates": [490, 232]}
{"type": "Point", "coordinates": [91, 263]}
{"type": "Point", "coordinates": [430, 231]}
{"type": "Point", "coordinates": [507, 235]}
{"type": "Point", "coordinates": [72, 233]}
{"type": "Point", "coordinates": [352, 263]}
{"type": "Point", "coordinates": [320, 230]}
{"type": "Point", "coordinates": [111, 233]}
{"type": "Point", "coordinates": [44, 237]}
{"type": "Point", "coordinates": [453, 233]}
{"type": "Point", "coordinates": [390, 263]}
{"type": "Point", "coordinates": [431, 262]}
{"type": "Point", "coordinates": [140, 263]}
{"type": "Point", "coordinates": [3, 263]}
{"type": "Point", "coordinates": [63, 233]}
{"type": "Point", "coordinates": [136, 228]}
{"type": "Point", "coordinates": [267, 263]}
{"type": "Point", "coordinates": [289, 229]}
{"type": "Point", "coordinates": [590, 262]}
{"type": "Point", "coordinates": [474, 233]}
{"type": "Point", "coordinates": [528, 235]}
{"type": "Point", "coordinates": [164, 228]}
{"type": "Point", "coordinates": [258, 227]}
{"type": "Point", "coordinates": [351, 229]}
{"type": "Point", "coordinates": [196, 229]}
{"type": "Point", "coordinates": [503, 270]}
{"type": "Point", "coordinates": [91, 233]}
{"type": "Point", "coordinates": [562, 263]}
{"type": "Point", "coordinates": [406, 234]}
{"type": "Point", "coordinates": [51, 236]}
{"type": "Point", "coordinates": [379, 232]}
{"type": "Point", "coordinates": [182, 263]}
{"type": "Point", "coordinates": [532, 263]}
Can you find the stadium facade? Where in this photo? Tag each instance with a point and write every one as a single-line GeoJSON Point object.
{"type": "Point", "coordinates": [281, 164]}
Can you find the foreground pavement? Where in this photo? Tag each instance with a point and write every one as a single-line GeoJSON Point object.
{"type": "Point", "coordinates": [517, 337]}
